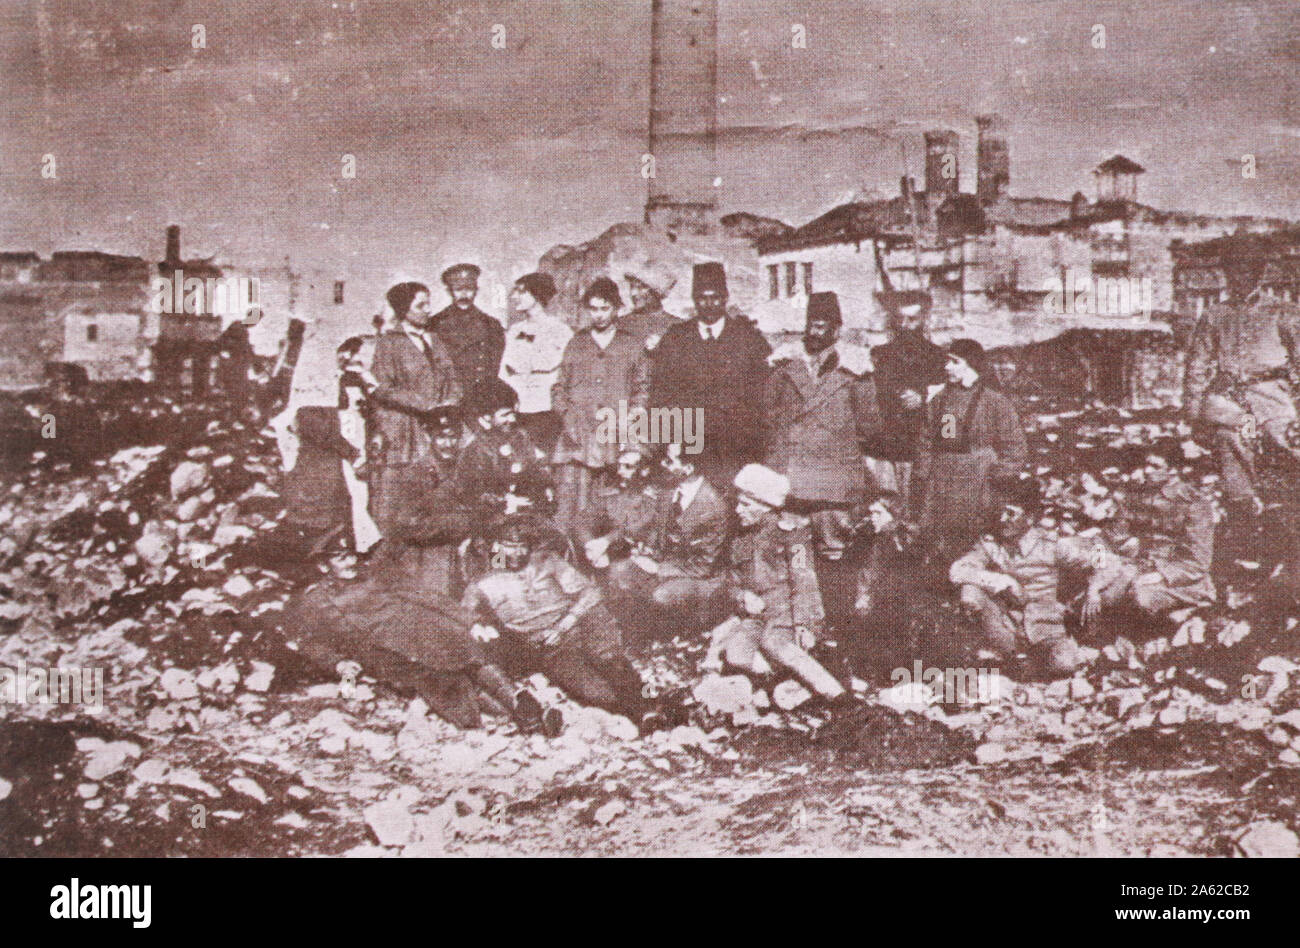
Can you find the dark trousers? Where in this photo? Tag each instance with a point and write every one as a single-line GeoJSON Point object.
{"type": "Point", "coordinates": [543, 427]}
{"type": "Point", "coordinates": [588, 664]}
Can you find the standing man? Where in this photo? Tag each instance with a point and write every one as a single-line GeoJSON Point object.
{"type": "Point", "coordinates": [647, 286]}
{"type": "Point", "coordinates": [1241, 357]}
{"type": "Point", "coordinates": [974, 443]}
{"type": "Point", "coordinates": [821, 409]}
{"type": "Point", "coordinates": [718, 363]}
{"type": "Point", "coordinates": [472, 338]}
{"type": "Point", "coordinates": [906, 368]}
{"type": "Point", "coordinates": [530, 363]}
{"type": "Point", "coordinates": [411, 377]}
{"type": "Point", "coordinates": [601, 368]}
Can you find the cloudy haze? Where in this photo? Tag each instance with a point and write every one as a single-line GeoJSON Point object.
{"type": "Point", "coordinates": [468, 151]}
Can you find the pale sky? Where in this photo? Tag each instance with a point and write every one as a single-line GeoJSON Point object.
{"type": "Point", "coordinates": [465, 151]}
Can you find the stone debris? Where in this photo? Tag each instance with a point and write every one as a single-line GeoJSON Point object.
{"type": "Point", "coordinates": [1268, 839]}
{"type": "Point", "coordinates": [106, 758]}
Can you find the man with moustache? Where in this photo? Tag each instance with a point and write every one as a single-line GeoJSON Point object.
{"type": "Point", "coordinates": [472, 338]}
{"type": "Point", "coordinates": [716, 362]}
{"type": "Point", "coordinates": [821, 408]}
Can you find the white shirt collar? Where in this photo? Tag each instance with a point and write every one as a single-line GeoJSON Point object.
{"type": "Point", "coordinates": [712, 330]}
{"type": "Point", "coordinates": [603, 339]}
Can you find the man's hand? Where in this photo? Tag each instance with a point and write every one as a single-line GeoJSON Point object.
{"type": "Point", "coordinates": [911, 399]}
{"type": "Point", "coordinates": [1091, 606]}
{"type": "Point", "coordinates": [483, 633]}
{"type": "Point", "coordinates": [752, 602]}
{"type": "Point", "coordinates": [1007, 585]}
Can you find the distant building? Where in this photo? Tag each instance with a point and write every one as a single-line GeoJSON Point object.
{"type": "Point", "coordinates": [97, 310]}
{"type": "Point", "coordinates": [992, 261]}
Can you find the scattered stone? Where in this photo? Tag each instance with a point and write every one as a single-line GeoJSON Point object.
{"type": "Point", "coordinates": [179, 684]}
{"type": "Point", "coordinates": [990, 753]}
{"type": "Point", "coordinates": [1269, 839]}
{"type": "Point", "coordinates": [5, 788]}
{"type": "Point", "coordinates": [87, 790]}
{"type": "Point", "coordinates": [789, 695]}
{"type": "Point", "coordinates": [606, 814]}
{"type": "Point", "coordinates": [260, 678]}
{"type": "Point", "coordinates": [248, 788]}
{"type": "Point", "coordinates": [390, 819]}
{"type": "Point", "coordinates": [187, 478]}
{"type": "Point", "coordinates": [109, 758]}
{"type": "Point", "coordinates": [151, 770]}
{"type": "Point", "coordinates": [1081, 688]}
{"type": "Point", "coordinates": [1172, 714]}
{"type": "Point", "coordinates": [189, 778]}
{"type": "Point", "coordinates": [237, 586]}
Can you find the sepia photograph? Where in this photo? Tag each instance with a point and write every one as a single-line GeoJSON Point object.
{"type": "Point", "coordinates": [650, 428]}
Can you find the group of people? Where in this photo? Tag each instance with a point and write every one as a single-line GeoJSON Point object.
{"type": "Point", "coordinates": [509, 528]}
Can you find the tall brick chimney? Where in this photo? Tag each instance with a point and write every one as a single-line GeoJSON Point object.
{"type": "Point", "coordinates": [994, 159]}
{"type": "Point", "coordinates": [683, 113]}
{"type": "Point", "coordinates": [173, 244]}
{"type": "Point", "coordinates": [940, 157]}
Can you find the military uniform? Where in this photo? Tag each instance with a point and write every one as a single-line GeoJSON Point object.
{"type": "Point", "coordinates": [587, 661]}
{"type": "Point", "coordinates": [1034, 562]}
{"type": "Point", "coordinates": [772, 560]}
{"type": "Point", "coordinates": [1237, 370]}
{"type": "Point", "coordinates": [1172, 569]}
{"type": "Point", "coordinates": [473, 340]}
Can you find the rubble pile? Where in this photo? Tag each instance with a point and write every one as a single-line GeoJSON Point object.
{"type": "Point", "coordinates": [159, 566]}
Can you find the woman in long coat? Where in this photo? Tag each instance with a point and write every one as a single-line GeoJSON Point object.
{"type": "Point", "coordinates": [974, 440]}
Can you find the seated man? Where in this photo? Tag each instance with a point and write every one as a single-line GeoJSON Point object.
{"type": "Point", "coordinates": [500, 470]}
{"type": "Point", "coordinates": [777, 599]}
{"type": "Point", "coordinates": [1169, 569]}
{"type": "Point", "coordinates": [886, 588]}
{"type": "Point", "coordinates": [1009, 581]}
{"type": "Point", "coordinates": [550, 618]}
{"type": "Point", "coordinates": [622, 508]}
{"type": "Point", "coordinates": [676, 566]}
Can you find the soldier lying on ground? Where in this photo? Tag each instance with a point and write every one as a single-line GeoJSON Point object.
{"type": "Point", "coordinates": [415, 641]}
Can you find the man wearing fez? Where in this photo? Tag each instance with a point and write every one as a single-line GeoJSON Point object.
{"type": "Point", "coordinates": [472, 338]}
{"type": "Point", "coordinates": [716, 362]}
{"type": "Point", "coordinates": [821, 408]}
{"type": "Point", "coordinates": [410, 377]}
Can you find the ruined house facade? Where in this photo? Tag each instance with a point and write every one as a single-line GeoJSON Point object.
{"type": "Point", "coordinates": [101, 311]}
{"type": "Point", "coordinates": [998, 267]}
